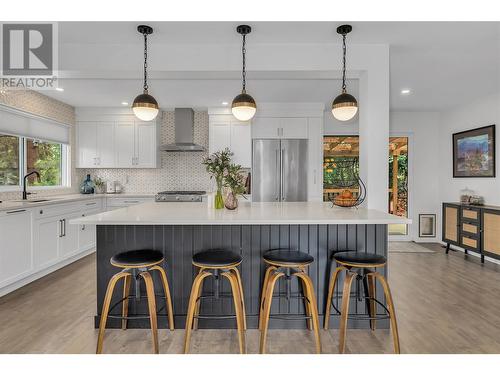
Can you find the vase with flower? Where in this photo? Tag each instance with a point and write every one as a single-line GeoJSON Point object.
{"type": "Point", "coordinates": [234, 181]}
{"type": "Point", "coordinates": [217, 165]}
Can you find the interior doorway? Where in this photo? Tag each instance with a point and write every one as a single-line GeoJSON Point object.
{"type": "Point", "coordinates": [398, 183]}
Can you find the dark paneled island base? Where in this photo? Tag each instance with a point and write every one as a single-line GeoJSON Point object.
{"type": "Point", "coordinates": [179, 242]}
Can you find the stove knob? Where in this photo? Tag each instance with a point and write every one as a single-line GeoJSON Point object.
{"type": "Point", "coordinates": [177, 198]}
{"type": "Point", "coordinates": [163, 198]}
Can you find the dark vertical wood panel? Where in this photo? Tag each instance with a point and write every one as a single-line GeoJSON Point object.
{"type": "Point", "coordinates": [179, 243]}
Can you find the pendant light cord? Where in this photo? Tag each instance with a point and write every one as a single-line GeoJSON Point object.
{"type": "Point", "coordinates": [145, 62]}
{"type": "Point", "coordinates": [344, 49]}
{"type": "Point", "coordinates": [244, 74]}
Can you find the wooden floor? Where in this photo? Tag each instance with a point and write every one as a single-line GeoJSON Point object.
{"type": "Point", "coordinates": [444, 304]}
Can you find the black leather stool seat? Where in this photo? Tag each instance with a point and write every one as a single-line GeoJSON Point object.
{"type": "Point", "coordinates": [137, 258]}
{"type": "Point", "coordinates": [216, 258]}
{"type": "Point", "coordinates": [287, 256]}
{"type": "Point", "coordinates": [359, 258]}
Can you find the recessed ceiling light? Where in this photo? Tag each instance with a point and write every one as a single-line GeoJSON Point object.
{"type": "Point", "coordinates": [405, 91]}
{"type": "Point", "coordinates": [124, 103]}
{"type": "Point", "coordinates": [59, 89]}
{"type": "Point", "coordinates": [225, 103]}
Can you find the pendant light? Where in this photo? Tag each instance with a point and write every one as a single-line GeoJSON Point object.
{"type": "Point", "coordinates": [145, 107]}
{"type": "Point", "coordinates": [243, 107]}
{"type": "Point", "coordinates": [345, 106]}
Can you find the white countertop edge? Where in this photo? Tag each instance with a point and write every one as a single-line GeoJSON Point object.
{"type": "Point", "coordinates": [8, 205]}
{"type": "Point", "coordinates": [289, 213]}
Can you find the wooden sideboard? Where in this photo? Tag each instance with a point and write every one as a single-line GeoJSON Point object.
{"type": "Point", "coordinates": [473, 228]}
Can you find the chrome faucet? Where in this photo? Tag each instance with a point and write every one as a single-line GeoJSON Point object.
{"type": "Point", "coordinates": [25, 194]}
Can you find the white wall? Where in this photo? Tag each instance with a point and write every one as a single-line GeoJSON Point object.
{"type": "Point", "coordinates": [422, 128]}
{"type": "Point", "coordinates": [483, 112]}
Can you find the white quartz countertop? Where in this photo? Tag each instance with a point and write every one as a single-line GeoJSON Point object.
{"type": "Point", "coordinates": [36, 201]}
{"type": "Point", "coordinates": [178, 213]}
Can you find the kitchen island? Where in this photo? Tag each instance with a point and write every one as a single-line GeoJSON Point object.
{"type": "Point", "coordinates": [179, 230]}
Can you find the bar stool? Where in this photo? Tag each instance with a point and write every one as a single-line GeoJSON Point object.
{"type": "Point", "coordinates": [362, 263]}
{"type": "Point", "coordinates": [287, 263]}
{"type": "Point", "coordinates": [136, 264]}
{"type": "Point", "coordinates": [216, 263]}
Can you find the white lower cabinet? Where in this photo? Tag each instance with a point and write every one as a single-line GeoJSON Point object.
{"type": "Point", "coordinates": [15, 246]}
{"type": "Point", "coordinates": [46, 235]}
{"type": "Point", "coordinates": [87, 234]}
{"type": "Point", "coordinates": [68, 242]}
{"type": "Point", "coordinates": [39, 240]}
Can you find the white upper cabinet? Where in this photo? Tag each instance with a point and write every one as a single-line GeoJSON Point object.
{"type": "Point", "coordinates": [95, 145]}
{"type": "Point", "coordinates": [125, 144]}
{"type": "Point", "coordinates": [279, 127]}
{"type": "Point", "coordinates": [145, 145]}
{"type": "Point", "coordinates": [105, 145]}
{"type": "Point", "coordinates": [121, 142]}
{"type": "Point", "coordinates": [226, 131]}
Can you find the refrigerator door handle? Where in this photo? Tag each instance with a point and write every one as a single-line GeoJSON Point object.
{"type": "Point", "coordinates": [282, 182]}
{"type": "Point", "coordinates": [278, 169]}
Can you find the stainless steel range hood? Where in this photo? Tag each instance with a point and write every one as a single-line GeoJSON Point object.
{"type": "Point", "coordinates": [184, 127]}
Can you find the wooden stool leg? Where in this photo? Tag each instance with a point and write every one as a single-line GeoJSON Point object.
{"type": "Point", "coordinates": [235, 289]}
{"type": "Point", "coordinates": [263, 293]}
{"type": "Point", "coordinates": [268, 299]}
{"type": "Point", "coordinates": [191, 307]}
{"type": "Point", "coordinates": [150, 292]}
{"type": "Point", "coordinates": [373, 294]}
{"type": "Point", "coordinates": [198, 305]}
{"type": "Point", "coordinates": [306, 304]}
{"type": "Point", "coordinates": [392, 311]}
{"type": "Point", "coordinates": [346, 293]}
{"type": "Point", "coordinates": [240, 284]}
{"type": "Point", "coordinates": [105, 308]}
{"type": "Point", "coordinates": [126, 292]}
{"type": "Point", "coordinates": [331, 290]}
{"type": "Point", "coordinates": [313, 307]}
{"type": "Point", "coordinates": [168, 298]}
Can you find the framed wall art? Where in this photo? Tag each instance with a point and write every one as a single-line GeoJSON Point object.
{"type": "Point", "coordinates": [474, 152]}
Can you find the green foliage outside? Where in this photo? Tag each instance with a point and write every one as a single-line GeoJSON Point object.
{"type": "Point", "coordinates": [46, 158]}
{"type": "Point", "coordinates": [47, 163]}
{"type": "Point", "coordinates": [335, 177]}
{"type": "Point", "coordinates": [9, 160]}
{"type": "Point", "coordinates": [402, 173]}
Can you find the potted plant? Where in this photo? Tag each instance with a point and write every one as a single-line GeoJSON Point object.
{"type": "Point", "coordinates": [216, 165]}
{"type": "Point", "coordinates": [99, 185]}
{"type": "Point", "coordinates": [235, 182]}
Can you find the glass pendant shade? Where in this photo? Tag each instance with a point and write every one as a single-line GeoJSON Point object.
{"type": "Point", "coordinates": [145, 107]}
{"type": "Point", "coordinates": [344, 107]}
{"type": "Point", "coordinates": [243, 107]}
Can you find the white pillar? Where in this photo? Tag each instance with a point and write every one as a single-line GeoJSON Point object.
{"type": "Point", "coordinates": [374, 131]}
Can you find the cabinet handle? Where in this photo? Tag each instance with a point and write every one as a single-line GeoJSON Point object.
{"type": "Point", "coordinates": [130, 201]}
{"type": "Point", "coordinates": [15, 211]}
{"type": "Point", "coordinates": [83, 225]}
{"type": "Point", "coordinates": [64, 227]}
{"type": "Point", "coordinates": [90, 204]}
{"type": "Point", "coordinates": [60, 228]}
{"type": "Point", "coordinates": [314, 180]}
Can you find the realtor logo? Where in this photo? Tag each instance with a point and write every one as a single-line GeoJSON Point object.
{"type": "Point", "coordinates": [29, 53]}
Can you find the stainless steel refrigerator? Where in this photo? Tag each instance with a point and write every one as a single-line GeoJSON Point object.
{"type": "Point", "coordinates": [279, 170]}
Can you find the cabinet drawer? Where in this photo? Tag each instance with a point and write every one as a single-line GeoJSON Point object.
{"type": "Point", "coordinates": [125, 202]}
{"type": "Point", "coordinates": [470, 214]}
{"type": "Point", "coordinates": [470, 228]}
{"type": "Point", "coordinates": [469, 243]}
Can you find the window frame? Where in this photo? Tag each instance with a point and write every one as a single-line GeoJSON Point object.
{"type": "Point", "coordinates": [65, 167]}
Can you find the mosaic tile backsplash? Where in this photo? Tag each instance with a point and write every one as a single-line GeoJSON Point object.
{"type": "Point", "coordinates": [179, 170]}
{"type": "Point", "coordinates": [42, 105]}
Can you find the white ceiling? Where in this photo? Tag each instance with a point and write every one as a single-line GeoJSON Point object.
{"type": "Point", "coordinates": [445, 64]}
